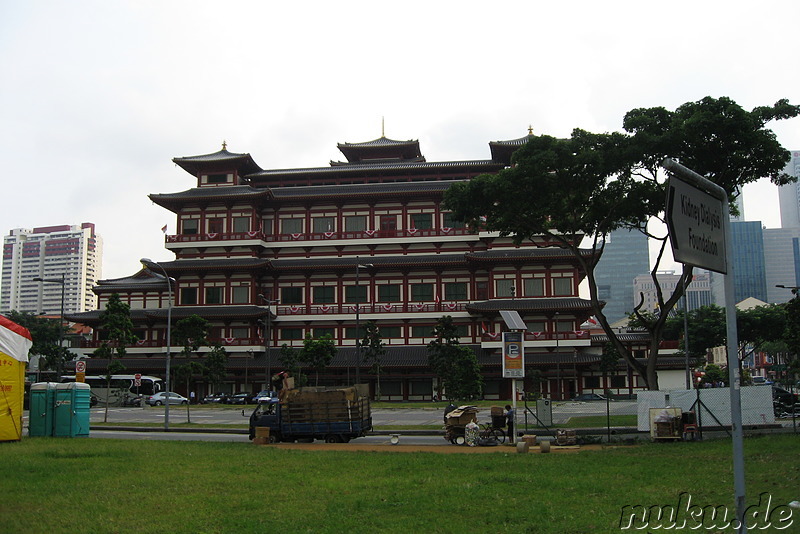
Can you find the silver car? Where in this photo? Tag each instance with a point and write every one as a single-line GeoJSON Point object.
{"type": "Point", "coordinates": [160, 399]}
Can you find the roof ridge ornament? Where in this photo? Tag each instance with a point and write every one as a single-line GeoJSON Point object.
{"type": "Point", "coordinates": [530, 129]}
{"type": "Point", "coordinates": [224, 144]}
{"type": "Point", "coordinates": [383, 124]}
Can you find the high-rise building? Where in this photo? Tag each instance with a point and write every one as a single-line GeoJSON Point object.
{"type": "Point", "coordinates": [789, 195]}
{"type": "Point", "coordinates": [749, 268]}
{"type": "Point", "coordinates": [625, 256]}
{"type": "Point", "coordinates": [65, 257]}
{"type": "Point", "coordinates": [782, 262]}
{"type": "Point", "coordinates": [697, 294]}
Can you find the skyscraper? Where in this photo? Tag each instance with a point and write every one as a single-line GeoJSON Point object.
{"type": "Point", "coordinates": [71, 255]}
{"type": "Point", "coordinates": [625, 257]}
{"type": "Point", "coordinates": [789, 195]}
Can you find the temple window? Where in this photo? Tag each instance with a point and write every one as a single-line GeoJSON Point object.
{"type": "Point", "coordinates": [323, 224]}
{"type": "Point", "coordinates": [421, 292]}
{"type": "Point", "coordinates": [240, 332]}
{"type": "Point", "coordinates": [388, 332]}
{"type": "Point", "coordinates": [217, 178]}
{"type": "Point", "coordinates": [216, 226]}
{"type": "Point", "coordinates": [214, 295]}
{"type": "Point", "coordinates": [188, 295]}
{"type": "Point", "coordinates": [389, 293]}
{"type": "Point", "coordinates": [355, 223]}
{"type": "Point", "coordinates": [291, 226]}
{"type": "Point", "coordinates": [190, 226]}
{"type": "Point", "coordinates": [505, 288]}
{"type": "Point", "coordinates": [422, 331]}
{"type": "Point", "coordinates": [455, 291]}
{"type": "Point", "coordinates": [240, 294]}
{"type": "Point", "coordinates": [291, 295]}
{"type": "Point", "coordinates": [354, 294]}
{"type": "Point", "coordinates": [324, 295]}
{"type": "Point", "coordinates": [534, 287]}
{"type": "Point", "coordinates": [291, 333]}
{"type": "Point", "coordinates": [421, 221]}
{"type": "Point", "coordinates": [562, 286]}
{"type": "Point", "coordinates": [241, 224]}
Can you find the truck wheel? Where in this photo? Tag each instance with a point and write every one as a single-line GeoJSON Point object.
{"type": "Point", "coordinates": [333, 438]}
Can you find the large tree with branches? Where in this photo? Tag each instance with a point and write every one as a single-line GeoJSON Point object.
{"type": "Point", "coordinates": [577, 190]}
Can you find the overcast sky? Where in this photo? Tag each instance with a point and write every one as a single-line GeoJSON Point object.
{"type": "Point", "coordinates": [99, 96]}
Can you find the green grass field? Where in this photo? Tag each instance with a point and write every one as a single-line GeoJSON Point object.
{"type": "Point", "coordinates": [98, 485]}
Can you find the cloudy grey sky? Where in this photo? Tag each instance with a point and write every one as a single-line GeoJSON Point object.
{"type": "Point", "coordinates": [99, 96]}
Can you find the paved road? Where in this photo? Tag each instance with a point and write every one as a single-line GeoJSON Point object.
{"type": "Point", "coordinates": [380, 417]}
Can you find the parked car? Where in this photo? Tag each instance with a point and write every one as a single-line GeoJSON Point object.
{"type": "Point", "coordinates": [264, 396]}
{"type": "Point", "coordinates": [160, 399]}
{"type": "Point", "coordinates": [241, 398]}
{"type": "Point", "coordinates": [761, 381]}
{"type": "Point", "coordinates": [587, 397]}
{"type": "Point", "coordinates": [216, 398]}
{"type": "Point", "coordinates": [785, 397]}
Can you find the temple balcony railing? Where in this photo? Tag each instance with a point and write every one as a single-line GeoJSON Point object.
{"type": "Point", "coordinates": [285, 312]}
{"type": "Point", "coordinates": [315, 236]}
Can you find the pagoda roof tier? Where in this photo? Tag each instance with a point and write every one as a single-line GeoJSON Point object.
{"type": "Point", "coordinates": [142, 281]}
{"type": "Point", "coordinates": [538, 305]}
{"type": "Point", "coordinates": [373, 171]}
{"type": "Point", "coordinates": [214, 264]}
{"type": "Point", "coordinates": [502, 150]}
{"type": "Point", "coordinates": [381, 148]}
{"type": "Point", "coordinates": [389, 189]}
{"type": "Point", "coordinates": [218, 161]}
{"type": "Point", "coordinates": [511, 255]}
{"type": "Point", "coordinates": [375, 262]}
{"type": "Point", "coordinates": [178, 312]}
{"type": "Point", "coordinates": [211, 195]}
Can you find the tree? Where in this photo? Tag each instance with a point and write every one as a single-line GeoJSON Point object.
{"type": "Point", "coordinates": [706, 326]}
{"type": "Point", "coordinates": [290, 358]}
{"type": "Point", "coordinates": [456, 366]}
{"type": "Point", "coordinates": [373, 350]}
{"type": "Point", "coordinates": [758, 326]}
{"type": "Point", "coordinates": [191, 333]}
{"type": "Point", "coordinates": [46, 334]}
{"type": "Point", "coordinates": [591, 184]}
{"type": "Point", "coordinates": [318, 353]}
{"type": "Point", "coordinates": [117, 327]}
{"type": "Point", "coordinates": [214, 365]}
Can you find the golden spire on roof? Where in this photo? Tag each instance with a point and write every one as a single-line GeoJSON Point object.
{"type": "Point", "coordinates": [224, 144]}
{"type": "Point", "coordinates": [530, 129]}
{"type": "Point", "coordinates": [383, 131]}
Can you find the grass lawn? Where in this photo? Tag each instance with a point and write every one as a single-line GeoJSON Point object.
{"type": "Point", "coordinates": [99, 485]}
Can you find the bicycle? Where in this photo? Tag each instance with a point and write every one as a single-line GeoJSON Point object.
{"type": "Point", "coordinates": [491, 432]}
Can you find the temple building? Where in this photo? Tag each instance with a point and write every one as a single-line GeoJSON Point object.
{"type": "Point", "coordinates": [272, 256]}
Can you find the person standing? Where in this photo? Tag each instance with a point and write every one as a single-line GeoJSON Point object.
{"type": "Point", "coordinates": [510, 423]}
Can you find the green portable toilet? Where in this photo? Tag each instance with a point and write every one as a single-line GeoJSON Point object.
{"type": "Point", "coordinates": [40, 418]}
{"type": "Point", "coordinates": [72, 412]}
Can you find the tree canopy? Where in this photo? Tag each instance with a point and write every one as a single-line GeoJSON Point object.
{"type": "Point", "coordinates": [456, 366]}
{"type": "Point", "coordinates": [591, 184]}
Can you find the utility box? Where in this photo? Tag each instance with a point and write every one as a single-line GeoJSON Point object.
{"type": "Point", "coordinates": [42, 403]}
{"type": "Point", "coordinates": [72, 410]}
{"type": "Point", "coordinates": [544, 411]}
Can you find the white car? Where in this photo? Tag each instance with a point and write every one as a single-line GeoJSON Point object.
{"type": "Point", "coordinates": [160, 399]}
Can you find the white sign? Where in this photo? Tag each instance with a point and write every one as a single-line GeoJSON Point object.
{"type": "Point", "coordinates": [80, 366]}
{"type": "Point", "coordinates": [694, 219]}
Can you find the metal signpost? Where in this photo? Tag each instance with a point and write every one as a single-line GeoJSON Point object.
{"type": "Point", "coordinates": [698, 218]}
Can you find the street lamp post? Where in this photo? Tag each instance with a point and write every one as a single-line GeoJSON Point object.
{"type": "Point", "coordinates": [267, 342]}
{"type": "Point", "coordinates": [149, 264]}
{"type": "Point", "coordinates": [358, 319]}
{"type": "Point", "coordinates": [61, 281]}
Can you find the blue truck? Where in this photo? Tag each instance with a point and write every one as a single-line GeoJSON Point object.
{"type": "Point", "coordinates": [307, 414]}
